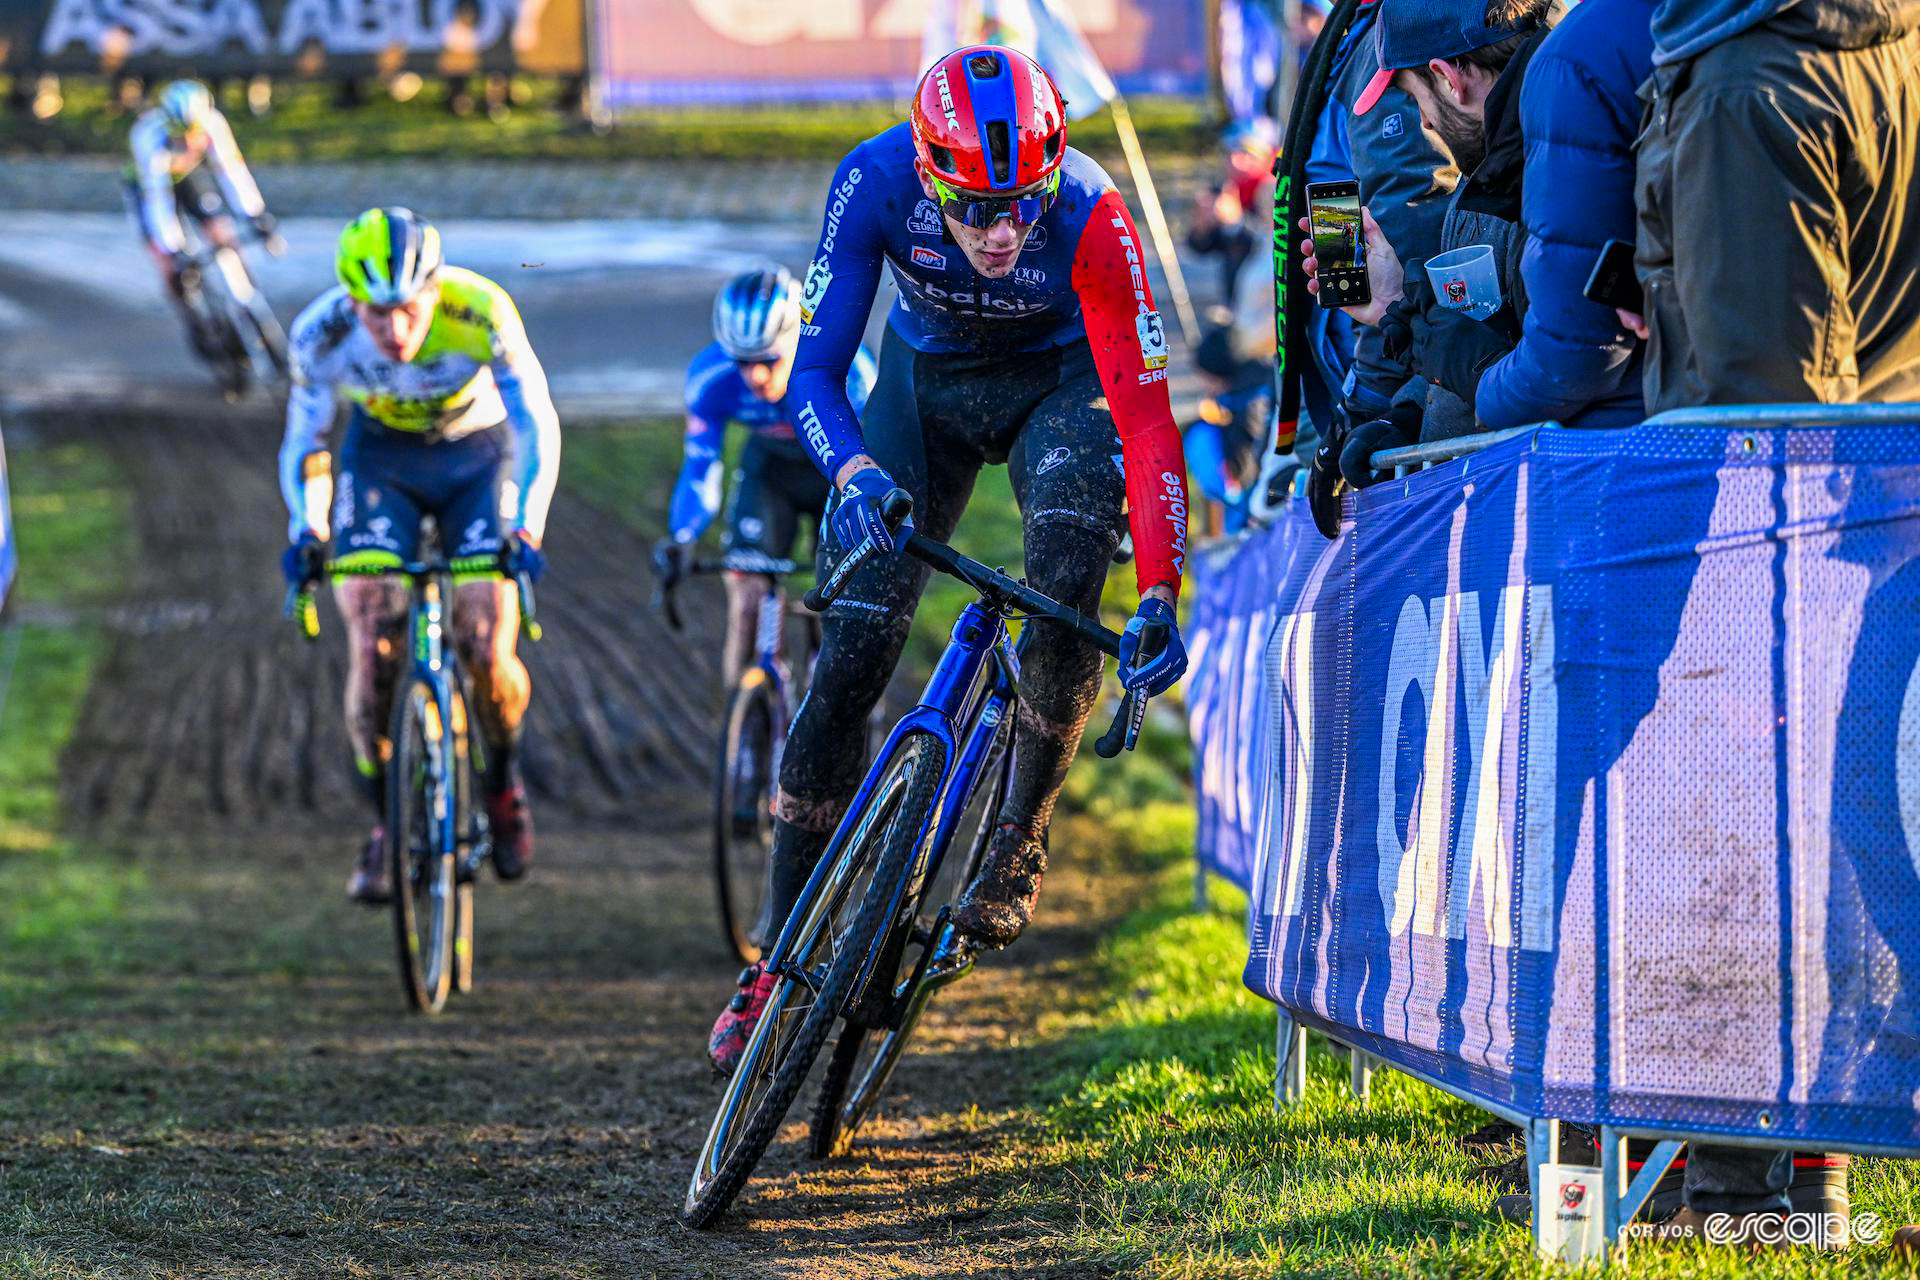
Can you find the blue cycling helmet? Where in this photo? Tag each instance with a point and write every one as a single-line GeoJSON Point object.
{"type": "Point", "coordinates": [756, 313]}
{"type": "Point", "coordinates": [186, 104]}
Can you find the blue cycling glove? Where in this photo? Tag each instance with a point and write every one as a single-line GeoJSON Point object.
{"type": "Point", "coordinates": [1160, 671]}
{"type": "Point", "coordinates": [304, 563]}
{"type": "Point", "coordinates": [522, 556]}
{"type": "Point", "coordinates": [856, 517]}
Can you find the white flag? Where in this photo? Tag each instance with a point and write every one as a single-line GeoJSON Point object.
{"type": "Point", "coordinates": [1044, 30]}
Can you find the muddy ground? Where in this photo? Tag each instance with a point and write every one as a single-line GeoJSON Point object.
{"type": "Point", "coordinates": [220, 1079]}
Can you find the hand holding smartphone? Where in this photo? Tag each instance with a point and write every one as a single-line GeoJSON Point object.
{"type": "Point", "coordinates": [1613, 282]}
{"type": "Point", "coordinates": [1339, 243]}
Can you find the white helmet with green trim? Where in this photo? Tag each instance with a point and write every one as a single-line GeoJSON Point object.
{"type": "Point", "coordinates": [387, 256]}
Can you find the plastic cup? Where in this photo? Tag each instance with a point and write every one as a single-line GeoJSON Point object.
{"type": "Point", "coordinates": [1465, 280]}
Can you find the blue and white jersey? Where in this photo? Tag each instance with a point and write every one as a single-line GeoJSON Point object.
{"type": "Point", "coordinates": [716, 395]}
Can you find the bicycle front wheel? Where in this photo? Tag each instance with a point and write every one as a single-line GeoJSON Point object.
{"type": "Point", "coordinates": [421, 800]}
{"type": "Point", "coordinates": [743, 818]}
{"type": "Point", "coordinates": [838, 925]}
{"type": "Point", "coordinates": [864, 1058]}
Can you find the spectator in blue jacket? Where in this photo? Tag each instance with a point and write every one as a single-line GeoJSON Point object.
{"type": "Point", "coordinates": [1579, 112]}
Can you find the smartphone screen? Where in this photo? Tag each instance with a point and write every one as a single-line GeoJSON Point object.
{"type": "Point", "coordinates": [1335, 216]}
{"type": "Point", "coordinates": [1339, 245]}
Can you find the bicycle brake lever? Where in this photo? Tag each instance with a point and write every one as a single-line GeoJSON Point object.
{"type": "Point", "coordinates": [529, 622]}
{"type": "Point", "coordinates": [822, 594]}
{"type": "Point", "coordinates": [301, 609]}
{"type": "Point", "coordinates": [1124, 732]}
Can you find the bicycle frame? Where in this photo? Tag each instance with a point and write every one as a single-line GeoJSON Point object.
{"type": "Point", "coordinates": [972, 688]}
{"type": "Point", "coordinates": [426, 625]}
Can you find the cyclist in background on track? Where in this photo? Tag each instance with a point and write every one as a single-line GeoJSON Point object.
{"type": "Point", "coordinates": [451, 418]}
{"type": "Point", "coordinates": [1024, 334]}
{"type": "Point", "coordinates": [186, 165]}
{"type": "Point", "coordinates": [742, 376]}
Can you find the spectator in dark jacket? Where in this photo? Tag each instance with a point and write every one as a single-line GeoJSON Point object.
{"type": "Point", "coordinates": [1778, 239]}
{"type": "Point", "coordinates": [1776, 184]}
{"type": "Point", "coordinates": [1579, 112]}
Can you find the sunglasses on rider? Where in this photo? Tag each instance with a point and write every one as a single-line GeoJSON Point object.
{"type": "Point", "coordinates": [981, 212]}
{"type": "Point", "coordinates": [766, 362]}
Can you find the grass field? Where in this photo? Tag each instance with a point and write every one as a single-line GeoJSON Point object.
{"type": "Point", "coordinates": [305, 125]}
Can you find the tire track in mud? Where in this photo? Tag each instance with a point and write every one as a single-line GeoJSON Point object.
{"type": "Point", "coordinates": [211, 710]}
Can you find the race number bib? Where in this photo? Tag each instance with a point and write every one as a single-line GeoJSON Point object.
{"type": "Point", "coordinates": [818, 278]}
{"type": "Point", "coordinates": [1153, 339]}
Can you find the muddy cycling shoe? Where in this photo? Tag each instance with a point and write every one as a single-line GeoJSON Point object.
{"type": "Point", "coordinates": [510, 823]}
{"type": "Point", "coordinates": [734, 1027]}
{"type": "Point", "coordinates": [998, 905]}
{"type": "Point", "coordinates": [369, 883]}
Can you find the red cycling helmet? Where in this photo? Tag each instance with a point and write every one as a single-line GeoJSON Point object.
{"type": "Point", "coordinates": [987, 119]}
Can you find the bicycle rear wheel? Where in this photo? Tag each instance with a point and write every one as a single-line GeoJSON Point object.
{"type": "Point", "coordinates": [839, 925]}
{"type": "Point", "coordinates": [420, 851]}
{"type": "Point", "coordinates": [863, 1057]}
{"type": "Point", "coordinates": [743, 818]}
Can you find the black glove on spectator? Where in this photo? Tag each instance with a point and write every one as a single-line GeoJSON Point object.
{"type": "Point", "coordinates": [1400, 427]}
{"type": "Point", "coordinates": [1453, 349]}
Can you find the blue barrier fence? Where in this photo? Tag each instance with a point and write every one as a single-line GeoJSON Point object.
{"type": "Point", "coordinates": [1581, 776]}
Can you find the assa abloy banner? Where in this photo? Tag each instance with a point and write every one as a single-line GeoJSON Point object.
{"type": "Point", "coordinates": [1592, 776]}
{"type": "Point", "coordinates": [291, 37]}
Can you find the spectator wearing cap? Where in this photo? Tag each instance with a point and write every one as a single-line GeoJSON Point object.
{"type": "Point", "coordinates": [1777, 177]}
{"type": "Point", "coordinates": [1463, 63]}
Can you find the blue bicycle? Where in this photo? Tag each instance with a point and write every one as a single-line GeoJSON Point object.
{"type": "Point", "coordinates": [859, 948]}
{"type": "Point", "coordinates": [436, 837]}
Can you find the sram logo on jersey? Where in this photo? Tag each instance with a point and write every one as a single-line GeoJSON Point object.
{"type": "Point", "coordinates": [837, 208]}
{"type": "Point", "coordinates": [818, 278]}
{"type": "Point", "coordinates": [946, 97]}
{"type": "Point", "coordinates": [925, 257]}
{"type": "Point", "coordinates": [1174, 494]}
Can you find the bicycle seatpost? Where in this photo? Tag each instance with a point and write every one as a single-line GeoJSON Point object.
{"type": "Point", "coordinates": [895, 507]}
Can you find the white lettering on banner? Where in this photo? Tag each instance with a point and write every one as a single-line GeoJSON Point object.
{"type": "Point", "coordinates": [1542, 777]}
{"type": "Point", "coordinates": [1439, 652]}
{"type": "Point", "coordinates": [768, 22]}
{"type": "Point", "coordinates": [183, 28]}
{"type": "Point", "coordinates": [1296, 740]}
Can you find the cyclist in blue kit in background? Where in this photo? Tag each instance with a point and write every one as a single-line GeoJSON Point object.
{"type": "Point", "coordinates": [1024, 335]}
{"type": "Point", "coordinates": [742, 376]}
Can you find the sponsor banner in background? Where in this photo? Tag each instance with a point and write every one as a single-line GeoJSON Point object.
{"type": "Point", "coordinates": [672, 51]}
{"type": "Point", "coordinates": [292, 37]}
{"type": "Point", "coordinates": [1589, 776]}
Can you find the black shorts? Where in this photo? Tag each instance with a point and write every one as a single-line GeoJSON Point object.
{"type": "Point", "coordinates": [775, 485]}
{"type": "Point", "coordinates": [390, 479]}
{"type": "Point", "coordinates": [935, 419]}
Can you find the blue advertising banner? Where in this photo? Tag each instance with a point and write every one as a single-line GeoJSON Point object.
{"type": "Point", "coordinates": [1593, 777]}
{"type": "Point", "coordinates": [9, 556]}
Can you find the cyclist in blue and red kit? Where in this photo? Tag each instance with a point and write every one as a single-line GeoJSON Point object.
{"type": "Point", "coordinates": [1024, 334]}
{"type": "Point", "coordinates": [742, 376]}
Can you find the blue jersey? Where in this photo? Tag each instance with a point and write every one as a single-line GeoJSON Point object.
{"type": "Point", "coordinates": [717, 395]}
{"type": "Point", "coordinates": [1079, 277]}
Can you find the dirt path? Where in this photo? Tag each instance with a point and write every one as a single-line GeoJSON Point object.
{"type": "Point", "coordinates": [225, 1083]}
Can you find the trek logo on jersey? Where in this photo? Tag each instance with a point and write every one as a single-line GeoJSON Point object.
{"type": "Point", "coordinates": [924, 257]}
{"type": "Point", "coordinates": [837, 208]}
{"type": "Point", "coordinates": [925, 220]}
{"type": "Point", "coordinates": [815, 430]}
{"type": "Point", "coordinates": [1174, 494]}
{"type": "Point", "coordinates": [1153, 339]}
{"type": "Point", "coordinates": [1055, 456]}
{"type": "Point", "coordinates": [946, 97]}
{"type": "Point", "coordinates": [1036, 238]}
{"type": "Point", "coordinates": [1029, 276]}
{"type": "Point", "coordinates": [818, 278]}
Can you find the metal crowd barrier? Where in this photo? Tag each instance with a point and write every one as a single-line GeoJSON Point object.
{"type": "Point", "coordinates": [1622, 1200]}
